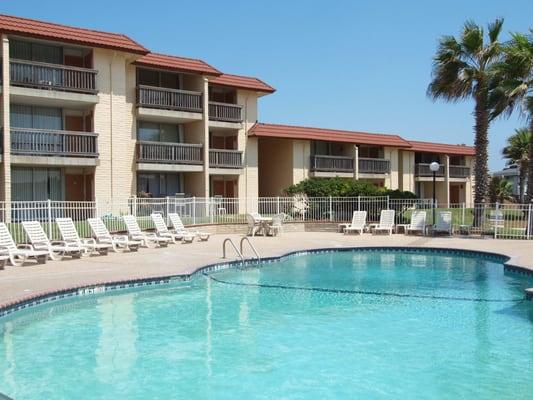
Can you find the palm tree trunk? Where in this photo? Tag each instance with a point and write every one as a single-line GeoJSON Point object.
{"type": "Point", "coordinates": [523, 166]}
{"type": "Point", "coordinates": [529, 196]}
{"type": "Point", "coordinates": [481, 144]}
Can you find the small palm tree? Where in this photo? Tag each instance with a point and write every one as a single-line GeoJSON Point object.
{"type": "Point", "coordinates": [515, 88]}
{"type": "Point", "coordinates": [517, 152]}
{"type": "Point", "coordinates": [500, 190]}
{"type": "Point", "coordinates": [463, 69]}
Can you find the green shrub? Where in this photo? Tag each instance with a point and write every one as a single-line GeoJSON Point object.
{"type": "Point", "coordinates": [341, 187]}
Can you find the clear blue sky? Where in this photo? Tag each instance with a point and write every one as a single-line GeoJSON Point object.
{"type": "Point", "coordinates": [358, 65]}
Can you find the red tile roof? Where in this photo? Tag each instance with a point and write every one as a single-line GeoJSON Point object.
{"type": "Point", "coordinates": [333, 135]}
{"type": "Point", "coordinates": [174, 63]}
{"type": "Point", "coordinates": [64, 33]}
{"type": "Point", "coordinates": [455, 149]}
{"type": "Point", "coordinates": [242, 82]}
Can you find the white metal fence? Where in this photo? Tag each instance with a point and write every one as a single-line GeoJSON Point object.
{"type": "Point", "coordinates": [507, 221]}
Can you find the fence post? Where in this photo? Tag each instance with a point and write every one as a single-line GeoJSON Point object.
{"type": "Point", "coordinates": [388, 202]}
{"type": "Point", "coordinates": [330, 209]}
{"type": "Point", "coordinates": [212, 207]}
{"type": "Point", "coordinates": [497, 219]}
{"type": "Point", "coordinates": [194, 210]}
{"type": "Point", "coordinates": [529, 219]}
{"type": "Point", "coordinates": [277, 205]}
{"type": "Point", "coordinates": [134, 211]}
{"type": "Point", "coordinates": [463, 211]}
{"type": "Point", "coordinates": [167, 208]}
{"type": "Point", "coordinates": [96, 208]}
{"type": "Point", "coordinates": [49, 211]}
{"type": "Point", "coordinates": [358, 203]}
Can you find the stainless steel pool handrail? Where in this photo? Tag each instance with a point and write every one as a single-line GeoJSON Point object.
{"type": "Point", "coordinates": [234, 247]}
{"type": "Point", "coordinates": [256, 253]}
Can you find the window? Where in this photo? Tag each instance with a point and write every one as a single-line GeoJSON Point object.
{"type": "Point", "coordinates": [222, 94]}
{"type": "Point", "coordinates": [371, 152]}
{"type": "Point", "coordinates": [457, 160]}
{"type": "Point", "coordinates": [152, 77]}
{"type": "Point", "coordinates": [159, 185]}
{"type": "Point", "coordinates": [36, 184]}
{"type": "Point", "coordinates": [154, 132]}
{"type": "Point", "coordinates": [35, 52]}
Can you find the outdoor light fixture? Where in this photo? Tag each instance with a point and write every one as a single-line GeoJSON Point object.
{"type": "Point", "coordinates": [434, 167]}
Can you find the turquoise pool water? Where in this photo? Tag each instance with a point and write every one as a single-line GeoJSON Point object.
{"type": "Point", "coordinates": [337, 325]}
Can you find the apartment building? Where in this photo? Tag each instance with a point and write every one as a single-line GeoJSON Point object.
{"type": "Point", "coordinates": [88, 114]}
{"type": "Point", "coordinates": [290, 154]}
{"type": "Point", "coordinates": [95, 115]}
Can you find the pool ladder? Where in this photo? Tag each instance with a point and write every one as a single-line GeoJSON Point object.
{"type": "Point", "coordinates": [240, 250]}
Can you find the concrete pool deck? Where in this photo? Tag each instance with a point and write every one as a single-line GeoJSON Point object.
{"type": "Point", "coordinates": [32, 280]}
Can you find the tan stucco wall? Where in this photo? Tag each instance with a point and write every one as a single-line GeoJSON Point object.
{"type": "Point", "coordinates": [114, 123]}
{"type": "Point", "coordinates": [301, 153]}
{"type": "Point", "coordinates": [275, 166]}
{"type": "Point", "coordinates": [407, 170]}
{"type": "Point", "coordinates": [392, 179]}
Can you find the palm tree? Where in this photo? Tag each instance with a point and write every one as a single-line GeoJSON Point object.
{"type": "Point", "coordinates": [463, 69]}
{"type": "Point", "coordinates": [517, 152]}
{"type": "Point", "coordinates": [500, 190]}
{"type": "Point", "coordinates": [515, 88]}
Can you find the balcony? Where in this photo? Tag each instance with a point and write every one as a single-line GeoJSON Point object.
{"type": "Point", "coordinates": [459, 171]}
{"type": "Point", "coordinates": [423, 170]}
{"type": "Point", "coordinates": [225, 158]}
{"type": "Point", "coordinates": [46, 142]}
{"type": "Point", "coordinates": [374, 166]}
{"type": "Point", "coordinates": [40, 75]}
{"type": "Point", "coordinates": [169, 99]}
{"type": "Point", "coordinates": [225, 112]}
{"type": "Point", "coordinates": [332, 164]}
{"type": "Point", "coordinates": [169, 153]}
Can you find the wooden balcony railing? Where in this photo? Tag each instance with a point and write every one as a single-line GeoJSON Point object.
{"type": "Point", "coordinates": [52, 76]}
{"type": "Point", "coordinates": [459, 171]}
{"type": "Point", "coordinates": [169, 153]}
{"type": "Point", "coordinates": [225, 158]}
{"type": "Point", "coordinates": [374, 165]}
{"type": "Point", "coordinates": [225, 112]}
{"type": "Point", "coordinates": [47, 142]}
{"type": "Point", "coordinates": [423, 170]}
{"type": "Point", "coordinates": [332, 163]}
{"type": "Point", "coordinates": [169, 99]}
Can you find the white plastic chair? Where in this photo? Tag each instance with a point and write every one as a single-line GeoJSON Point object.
{"type": "Point", "coordinates": [146, 238]}
{"type": "Point", "coordinates": [179, 228]}
{"type": "Point", "coordinates": [277, 224]}
{"type": "Point", "coordinates": [418, 222]}
{"type": "Point", "coordinates": [162, 230]}
{"type": "Point", "coordinates": [70, 235]}
{"type": "Point", "coordinates": [254, 224]}
{"type": "Point", "coordinates": [386, 222]}
{"type": "Point", "coordinates": [117, 242]}
{"type": "Point", "coordinates": [56, 248]}
{"type": "Point", "coordinates": [443, 223]}
{"type": "Point", "coordinates": [358, 223]}
{"type": "Point", "coordinates": [17, 255]}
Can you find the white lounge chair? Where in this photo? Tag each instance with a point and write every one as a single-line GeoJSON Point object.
{"type": "Point", "coordinates": [444, 223]}
{"type": "Point", "coordinates": [277, 225]}
{"type": "Point", "coordinates": [162, 230]}
{"type": "Point", "coordinates": [418, 222]}
{"type": "Point", "coordinates": [117, 242]}
{"type": "Point", "coordinates": [358, 223]}
{"type": "Point", "coordinates": [18, 254]}
{"type": "Point", "coordinates": [56, 248]}
{"type": "Point", "coordinates": [146, 238]}
{"type": "Point", "coordinates": [254, 224]}
{"type": "Point", "coordinates": [179, 228]}
{"type": "Point", "coordinates": [70, 235]}
{"type": "Point", "coordinates": [386, 222]}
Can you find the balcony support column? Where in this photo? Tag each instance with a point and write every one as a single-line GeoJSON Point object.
{"type": "Point", "coordinates": [5, 174]}
{"type": "Point", "coordinates": [205, 122]}
{"type": "Point", "coordinates": [447, 177]}
{"type": "Point", "coordinates": [356, 162]}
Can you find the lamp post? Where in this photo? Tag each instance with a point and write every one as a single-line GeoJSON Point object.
{"type": "Point", "coordinates": [434, 167]}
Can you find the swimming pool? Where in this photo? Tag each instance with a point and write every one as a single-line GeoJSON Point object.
{"type": "Point", "coordinates": [370, 324]}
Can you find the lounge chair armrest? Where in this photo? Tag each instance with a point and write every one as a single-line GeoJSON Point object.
{"type": "Point", "coordinates": [58, 243]}
{"type": "Point", "coordinates": [88, 241]}
{"type": "Point", "coordinates": [4, 250]}
{"type": "Point", "coordinates": [26, 246]}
